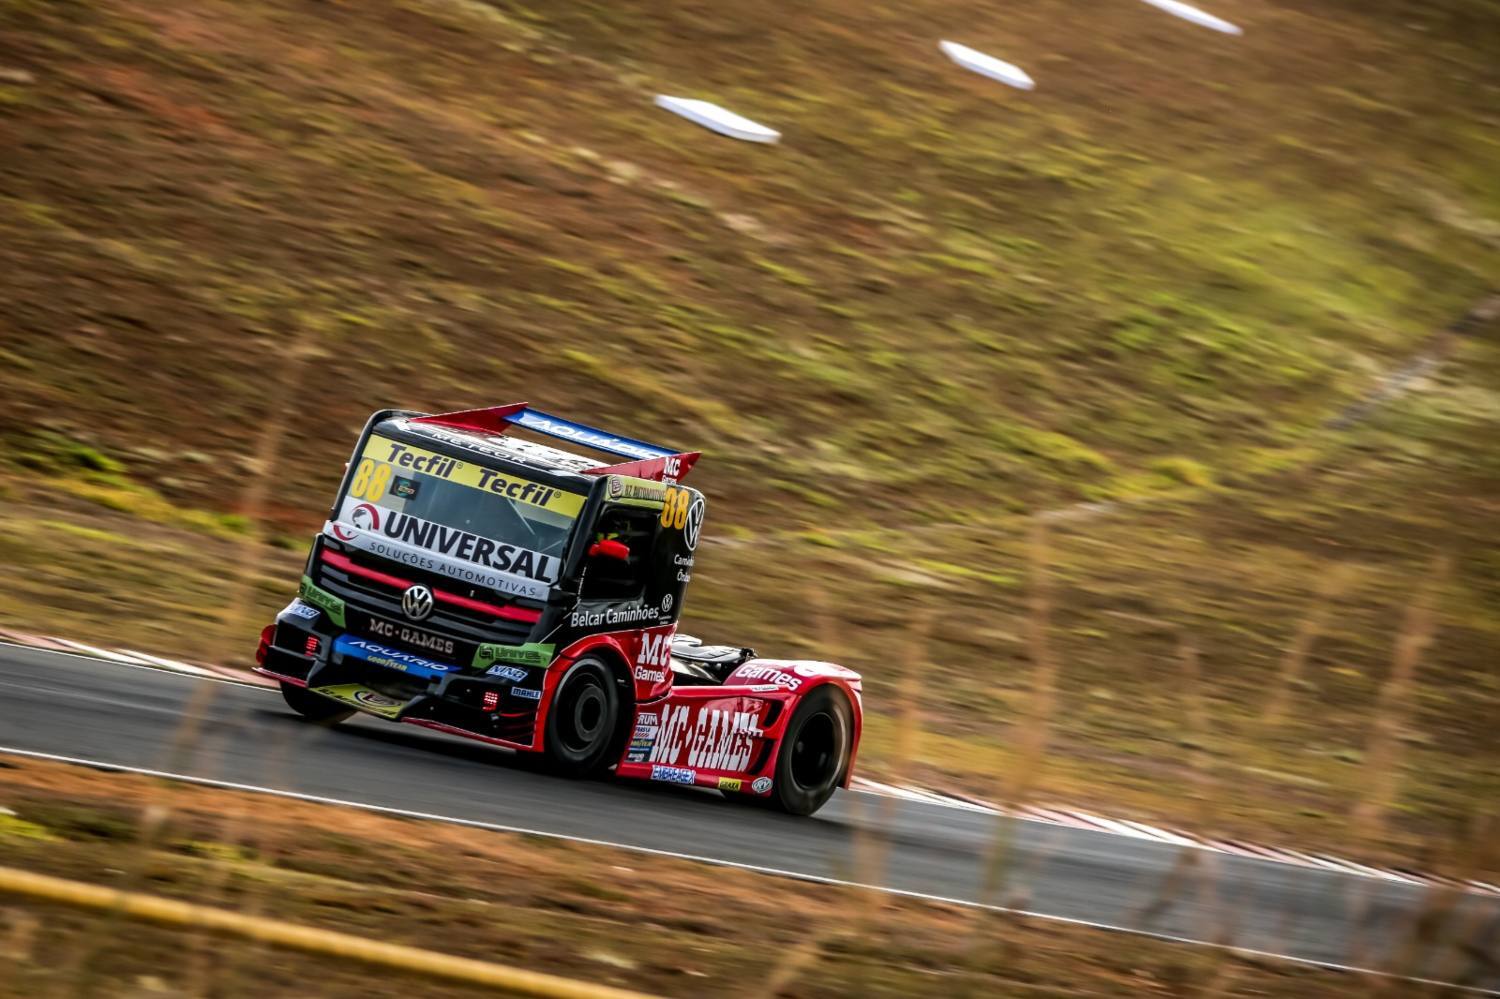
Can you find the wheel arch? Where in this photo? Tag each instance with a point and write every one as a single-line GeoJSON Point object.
{"type": "Point", "coordinates": [614, 658]}
{"type": "Point", "coordinates": [853, 697]}
{"type": "Point", "coordinates": [850, 689]}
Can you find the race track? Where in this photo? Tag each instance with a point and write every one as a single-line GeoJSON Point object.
{"type": "Point", "coordinates": [86, 710]}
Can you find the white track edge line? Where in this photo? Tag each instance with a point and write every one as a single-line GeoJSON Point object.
{"type": "Point", "coordinates": [175, 665]}
{"type": "Point", "coordinates": [1089, 822]}
{"type": "Point", "coordinates": [158, 670]}
{"type": "Point", "coordinates": [755, 868]}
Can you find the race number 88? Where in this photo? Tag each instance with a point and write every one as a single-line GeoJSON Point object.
{"type": "Point", "coordinates": [370, 480]}
{"type": "Point", "coordinates": [674, 512]}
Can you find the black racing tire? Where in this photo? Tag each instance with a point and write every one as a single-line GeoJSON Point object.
{"type": "Point", "coordinates": [582, 719]}
{"type": "Point", "coordinates": [814, 752]}
{"type": "Point", "coordinates": [314, 707]}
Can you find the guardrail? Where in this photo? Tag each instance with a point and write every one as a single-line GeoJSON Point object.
{"type": "Point", "coordinates": [172, 912]}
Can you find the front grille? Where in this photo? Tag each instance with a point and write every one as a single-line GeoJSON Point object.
{"type": "Point", "coordinates": [462, 623]}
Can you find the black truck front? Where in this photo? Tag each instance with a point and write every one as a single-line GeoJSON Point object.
{"type": "Point", "coordinates": [425, 596]}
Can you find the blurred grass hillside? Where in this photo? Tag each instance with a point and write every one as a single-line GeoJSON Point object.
{"type": "Point", "coordinates": [938, 307]}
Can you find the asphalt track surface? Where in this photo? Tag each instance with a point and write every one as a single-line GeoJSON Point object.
{"type": "Point", "coordinates": [85, 710]}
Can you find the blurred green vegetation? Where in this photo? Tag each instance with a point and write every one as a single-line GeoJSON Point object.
{"type": "Point", "coordinates": [938, 307]}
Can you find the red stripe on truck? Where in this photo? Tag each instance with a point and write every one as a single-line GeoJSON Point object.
{"type": "Point", "coordinates": [347, 564]}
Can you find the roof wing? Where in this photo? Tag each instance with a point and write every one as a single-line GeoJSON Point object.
{"type": "Point", "coordinates": [668, 468]}
{"type": "Point", "coordinates": [491, 420]}
{"type": "Point", "coordinates": [647, 461]}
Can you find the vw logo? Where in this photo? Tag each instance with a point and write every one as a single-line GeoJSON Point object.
{"type": "Point", "coordinates": [694, 524]}
{"type": "Point", "coordinates": [416, 603]}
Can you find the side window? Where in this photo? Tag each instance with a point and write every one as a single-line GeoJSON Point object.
{"type": "Point", "coordinates": [610, 578]}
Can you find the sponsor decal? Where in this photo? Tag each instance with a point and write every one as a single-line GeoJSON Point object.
{"type": "Point", "coordinates": [434, 547]}
{"type": "Point", "coordinates": [683, 512]}
{"type": "Point", "coordinates": [761, 785]}
{"type": "Point", "coordinates": [530, 654]}
{"type": "Point", "coordinates": [512, 447]}
{"type": "Point", "coordinates": [404, 488]}
{"type": "Point", "coordinates": [424, 640]}
{"type": "Point", "coordinates": [643, 738]}
{"type": "Point", "coordinates": [383, 457]}
{"type": "Point", "coordinates": [455, 542]}
{"type": "Point", "coordinates": [656, 646]}
{"type": "Point", "coordinates": [363, 698]}
{"type": "Point", "coordinates": [363, 516]}
{"type": "Point", "coordinates": [636, 492]}
{"type": "Point", "coordinates": [694, 525]}
{"type": "Point", "coordinates": [671, 467]}
{"type": "Point", "coordinates": [628, 614]}
{"type": "Point", "coordinates": [514, 674]}
{"type": "Point", "coordinates": [768, 674]}
{"type": "Point", "coordinates": [323, 600]}
{"type": "Point", "coordinates": [301, 610]}
{"type": "Point", "coordinates": [526, 693]}
{"type": "Point", "coordinates": [666, 603]}
{"type": "Point", "coordinates": [372, 699]}
{"type": "Point", "coordinates": [382, 655]}
{"type": "Point", "coordinates": [556, 427]}
{"type": "Point", "coordinates": [654, 655]}
{"type": "Point", "coordinates": [708, 738]}
{"type": "Point", "coordinates": [730, 783]}
{"type": "Point", "coordinates": [673, 775]}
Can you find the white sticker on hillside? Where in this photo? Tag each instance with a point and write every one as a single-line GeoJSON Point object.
{"type": "Point", "coordinates": [1190, 13]}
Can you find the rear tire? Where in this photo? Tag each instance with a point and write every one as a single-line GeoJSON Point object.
{"type": "Point", "coordinates": [582, 719]}
{"type": "Point", "coordinates": [814, 752]}
{"type": "Point", "coordinates": [314, 707]}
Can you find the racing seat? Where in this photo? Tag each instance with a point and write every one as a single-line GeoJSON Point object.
{"type": "Point", "coordinates": [696, 664]}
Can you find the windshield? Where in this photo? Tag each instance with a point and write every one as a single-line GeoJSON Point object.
{"type": "Point", "coordinates": [455, 517]}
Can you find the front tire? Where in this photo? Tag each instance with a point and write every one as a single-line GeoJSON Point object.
{"type": "Point", "coordinates": [314, 707]}
{"type": "Point", "coordinates": [582, 719]}
{"type": "Point", "coordinates": [814, 752]}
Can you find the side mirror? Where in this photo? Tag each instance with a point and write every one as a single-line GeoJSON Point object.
{"type": "Point", "coordinates": [618, 550]}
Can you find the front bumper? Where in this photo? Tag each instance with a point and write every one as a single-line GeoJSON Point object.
{"type": "Point", "coordinates": [308, 651]}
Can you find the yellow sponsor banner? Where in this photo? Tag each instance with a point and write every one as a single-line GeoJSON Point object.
{"type": "Point", "coordinates": [362, 697]}
{"type": "Point", "coordinates": [384, 460]}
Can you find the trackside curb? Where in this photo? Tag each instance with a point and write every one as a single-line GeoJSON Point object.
{"type": "Point", "coordinates": [172, 912]}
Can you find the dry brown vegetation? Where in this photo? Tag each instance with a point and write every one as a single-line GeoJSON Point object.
{"type": "Point", "coordinates": [609, 916]}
